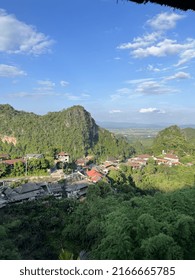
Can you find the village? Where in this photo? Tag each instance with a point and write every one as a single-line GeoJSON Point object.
{"type": "Point", "coordinates": [75, 184]}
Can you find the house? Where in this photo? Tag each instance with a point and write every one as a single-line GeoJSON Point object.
{"type": "Point", "coordinates": [11, 162]}
{"type": "Point", "coordinates": [77, 189]}
{"type": "Point", "coordinates": [36, 156]}
{"type": "Point", "coordinates": [63, 157]}
{"type": "Point", "coordinates": [112, 160]}
{"type": "Point", "coordinates": [136, 162]}
{"type": "Point", "coordinates": [94, 176]}
{"type": "Point", "coordinates": [143, 157]}
{"type": "Point", "coordinates": [135, 165]}
{"type": "Point", "coordinates": [4, 156]}
{"type": "Point", "coordinates": [3, 202]}
{"type": "Point", "coordinates": [81, 162]}
{"type": "Point", "coordinates": [28, 191]}
{"type": "Point", "coordinates": [171, 158]}
{"type": "Point", "coordinates": [160, 161]}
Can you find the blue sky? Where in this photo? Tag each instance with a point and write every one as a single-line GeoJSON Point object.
{"type": "Point", "coordinates": [122, 61]}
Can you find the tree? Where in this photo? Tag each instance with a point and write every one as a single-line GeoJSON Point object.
{"type": "Point", "coordinates": [4, 169]}
{"type": "Point", "coordinates": [161, 247]}
{"type": "Point", "coordinates": [19, 169]}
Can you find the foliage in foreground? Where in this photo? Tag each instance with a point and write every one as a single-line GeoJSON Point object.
{"type": "Point", "coordinates": [107, 225]}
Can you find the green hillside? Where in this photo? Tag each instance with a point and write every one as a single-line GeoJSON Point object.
{"type": "Point", "coordinates": [171, 139]}
{"type": "Point", "coordinates": [72, 130]}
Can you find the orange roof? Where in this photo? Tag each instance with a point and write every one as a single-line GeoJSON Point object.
{"type": "Point", "coordinates": [143, 156]}
{"type": "Point", "coordinates": [12, 161]}
{"type": "Point", "coordinates": [94, 175]}
{"type": "Point", "coordinates": [93, 172]}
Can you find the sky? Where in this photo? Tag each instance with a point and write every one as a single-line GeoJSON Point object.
{"type": "Point", "coordinates": [121, 61]}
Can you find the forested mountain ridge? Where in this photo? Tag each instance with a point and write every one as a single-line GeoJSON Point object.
{"type": "Point", "coordinates": [72, 130]}
{"type": "Point", "coordinates": [174, 139]}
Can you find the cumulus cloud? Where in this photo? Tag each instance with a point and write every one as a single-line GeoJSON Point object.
{"type": "Point", "coordinates": [143, 41]}
{"type": "Point", "coordinates": [186, 50]}
{"type": "Point", "coordinates": [157, 43]}
{"type": "Point", "coordinates": [10, 71]}
{"type": "Point", "coordinates": [164, 21]}
{"type": "Point", "coordinates": [151, 110]}
{"type": "Point", "coordinates": [19, 37]}
{"type": "Point", "coordinates": [163, 48]}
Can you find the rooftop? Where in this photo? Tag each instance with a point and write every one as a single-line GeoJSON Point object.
{"type": "Point", "coordinates": [182, 5]}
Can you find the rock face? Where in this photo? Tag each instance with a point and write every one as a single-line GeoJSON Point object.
{"type": "Point", "coordinates": [8, 139]}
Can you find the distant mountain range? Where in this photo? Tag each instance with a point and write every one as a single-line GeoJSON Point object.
{"type": "Point", "coordinates": [124, 125]}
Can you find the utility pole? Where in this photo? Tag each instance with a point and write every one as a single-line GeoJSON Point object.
{"type": "Point", "coordinates": [26, 167]}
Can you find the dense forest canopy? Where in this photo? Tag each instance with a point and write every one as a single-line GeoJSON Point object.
{"type": "Point", "coordinates": [72, 130]}
{"type": "Point", "coordinates": [106, 225]}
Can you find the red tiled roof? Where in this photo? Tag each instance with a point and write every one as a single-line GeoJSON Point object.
{"type": "Point", "coordinates": [93, 172]}
{"type": "Point", "coordinates": [94, 175]}
{"type": "Point", "coordinates": [4, 156]}
{"type": "Point", "coordinates": [143, 156]}
{"type": "Point", "coordinates": [12, 161]}
{"type": "Point", "coordinates": [96, 178]}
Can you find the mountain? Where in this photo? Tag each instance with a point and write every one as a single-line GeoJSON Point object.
{"type": "Point", "coordinates": [171, 139]}
{"type": "Point", "coordinates": [72, 130]}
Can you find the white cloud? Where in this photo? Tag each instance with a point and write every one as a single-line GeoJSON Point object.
{"type": "Point", "coordinates": [45, 85]}
{"type": "Point", "coordinates": [151, 110]}
{"type": "Point", "coordinates": [115, 111]}
{"type": "Point", "coordinates": [117, 58]}
{"type": "Point", "coordinates": [137, 81]}
{"type": "Point", "coordinates": [10, 71]}
{"type": "Point", "coordinates": [179, 76]}
{"type": "Point", "coordinates": [85, 95]}
{"type": "Point", "coordinates": [32, 94]}
{"type": "Point", "coordinates": [164, 21]}
{"type": "Point", "coordinates": [157, 43]}
{"type": "Point", "coordinates": [154, 88]}
{"type": "Point", "coordinates": [143, 41]}
{"type": "Point", "coordinates": [163, 48]}
{"type": "Point", "coordinates": [123, 91]}
{"type": "Point", "coordinates": [187, 55]}
{"type": "Point", "coordinates": [153, 69]}
{"type": "Point", "coordinates": [19, 37]}
{"type": "Point", "coordinates": [73, 97]}
{"type": "Point", "coordinates": [120, 93]}
{"type": "Point", "coordinates": [64, 83]}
